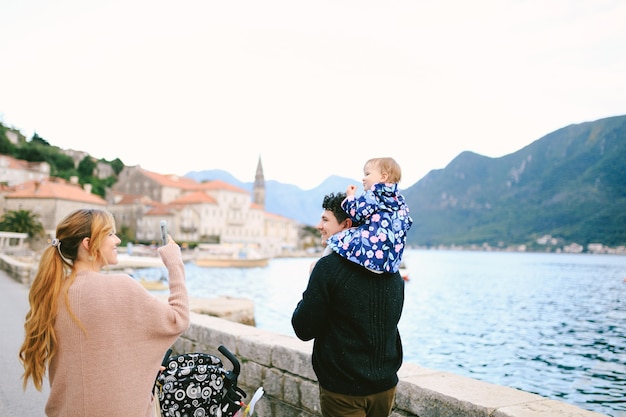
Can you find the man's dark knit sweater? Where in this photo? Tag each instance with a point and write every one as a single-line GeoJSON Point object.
{"type": "Point", "coordinates": [353, 315]}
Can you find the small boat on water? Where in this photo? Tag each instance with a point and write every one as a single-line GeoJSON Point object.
{"type": "Point", "coordinates": [231, 262]}
{"type": "Point", "coordinates": [404, 271]}
{"type": "Point", "coordinates": [228, 256]}
{"type": "Point", "coordinates": [151, 285]}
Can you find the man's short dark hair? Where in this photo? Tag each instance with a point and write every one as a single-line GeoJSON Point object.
{"type": "Point", "coordinates": [332, 202]}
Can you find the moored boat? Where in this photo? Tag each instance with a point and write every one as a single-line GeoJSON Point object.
{"type": "Point", "coordinates": [151, 285]}
{"type": "Point", "coordinates": [231, 262]}
{"type": "Point", "coordinates": [404, 271]}
{"type": "Point", "coordinates": [227, 256]}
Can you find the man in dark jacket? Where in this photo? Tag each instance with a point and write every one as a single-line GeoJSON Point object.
{"type": "Point", "coordinates": [353, 314]}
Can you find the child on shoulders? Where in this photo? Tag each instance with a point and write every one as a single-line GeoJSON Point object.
{"type": "Point", "coordinates": [378, 243]}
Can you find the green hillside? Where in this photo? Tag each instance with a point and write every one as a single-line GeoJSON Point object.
{"type": "Point", "coordinates": [37, 149]}
{"type": "Point", "coordinates": [569, 184]}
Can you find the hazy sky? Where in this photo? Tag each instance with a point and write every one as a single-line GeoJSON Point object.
{"type": "Point", "coordinates": [315, 88]}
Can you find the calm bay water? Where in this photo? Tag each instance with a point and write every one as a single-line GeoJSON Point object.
{"type": "Point", "coordinates": [551, 324]}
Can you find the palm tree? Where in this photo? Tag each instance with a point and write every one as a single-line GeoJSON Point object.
{"type": "Point", "coordinates": [22, 221]}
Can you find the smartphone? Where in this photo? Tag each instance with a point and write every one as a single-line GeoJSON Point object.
{"type": "Point", "coordinates": [163, 232]}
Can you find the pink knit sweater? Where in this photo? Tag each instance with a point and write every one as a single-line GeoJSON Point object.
{"type": "Point", "coordinates": [110, 370]}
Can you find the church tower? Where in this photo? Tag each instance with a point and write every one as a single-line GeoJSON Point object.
{"type": "Point", "coordinates": [259, 186]}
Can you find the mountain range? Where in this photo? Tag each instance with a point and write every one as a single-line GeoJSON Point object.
{"type": "Point", "coordinates": [569, 184]}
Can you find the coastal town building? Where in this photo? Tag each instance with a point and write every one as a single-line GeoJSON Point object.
{"type": "Point", "coordinates": [14, 136]}
{"type": "Point", "coordinates": [16, 171]}
{"type": "Point", "coordinates": [50, 199]}
{"type": "Point", "coordinates": [200, 212]}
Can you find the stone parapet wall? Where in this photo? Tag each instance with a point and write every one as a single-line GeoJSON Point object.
{"type": "Point", "coordinates": [282, 366]}
{"type": "Point", "coordinates": [20, 271]}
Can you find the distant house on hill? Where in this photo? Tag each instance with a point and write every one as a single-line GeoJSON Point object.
{"type": "Point", "coordinates": [158, 187]}
{"type": "Point", "coordinates": [102, 170]}
{"type": "Point", "coordinates": [51, 199]}
{"type": "Point", "coordinates": [16, 171]}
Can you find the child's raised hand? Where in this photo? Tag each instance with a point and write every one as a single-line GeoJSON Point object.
{"type": "Point", "coordinates": [351, 190]}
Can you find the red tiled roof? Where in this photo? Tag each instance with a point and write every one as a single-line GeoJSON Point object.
{"type": "Point", "coordinates": [14, 163]}
{"type": "Point", "coordinates": [20, 164]}
{"type": "Point", "coordinates": [189, 184]}
{"type": "Point", "coordinates": [196, 197]}
{"type": "Point", "coordinates": [275, 216]}
{"type": "Point", "coordinates": [54, 188]}
{"type": "Point", "coordinates": [126, 199]}
{"type": "Point", "coordinates": [160, 210]}
{"type": "Point", "coordinates": [221, 185]}
{"type": "Point", "coordinates": [173, 181]}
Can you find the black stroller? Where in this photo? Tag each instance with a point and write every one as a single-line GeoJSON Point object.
{"type": "Point", "coordinates": [197, 384]}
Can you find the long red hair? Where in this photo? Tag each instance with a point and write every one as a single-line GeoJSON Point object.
{"type": "Point", "coordinates": [54, 277]}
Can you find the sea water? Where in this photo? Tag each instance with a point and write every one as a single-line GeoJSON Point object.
{"type": "Point", "coordinates": [550, 324]}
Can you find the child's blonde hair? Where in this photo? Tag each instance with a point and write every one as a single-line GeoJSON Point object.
{"type": "Point", "coordinates": [387, 166]}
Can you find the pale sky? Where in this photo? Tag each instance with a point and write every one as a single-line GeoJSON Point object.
{"type": "Point", "coordinates": [313, 87]}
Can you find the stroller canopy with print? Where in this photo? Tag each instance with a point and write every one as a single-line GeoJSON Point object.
{"type": "Point", "coordinates": [197, 384]}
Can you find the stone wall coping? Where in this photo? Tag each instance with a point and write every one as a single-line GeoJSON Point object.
{"type": "Point", "coordinates": [282, 364]}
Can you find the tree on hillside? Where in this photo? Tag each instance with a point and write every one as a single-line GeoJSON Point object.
{"type": "Point", "coordinates": [22, 221]}
{"type": "Point", "coordinates": [36, 139]}
{"type": "Point", "coordinates": [61, 165]}
{"type": "Point", "coordinates": [117, 166]}
{"type": "Point", "coordinates": [6, 147]}
{"type": "Point", "coordinates": [86, 168]}
{"type": "Point", "coordinates": [30, 153]}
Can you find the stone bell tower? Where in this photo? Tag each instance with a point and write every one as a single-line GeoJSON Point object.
{"type": "Point", "coordinates": [259, 186]}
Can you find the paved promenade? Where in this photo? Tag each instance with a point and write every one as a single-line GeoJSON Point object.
{"type": "Point", "coordinates": [14, 402]}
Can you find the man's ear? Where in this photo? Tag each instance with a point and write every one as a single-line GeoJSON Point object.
{"type": "Point", "coordinates": [348, 222]}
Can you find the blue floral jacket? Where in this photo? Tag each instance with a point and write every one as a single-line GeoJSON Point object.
{"type": "Point", "coordinates": [379, 241]}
